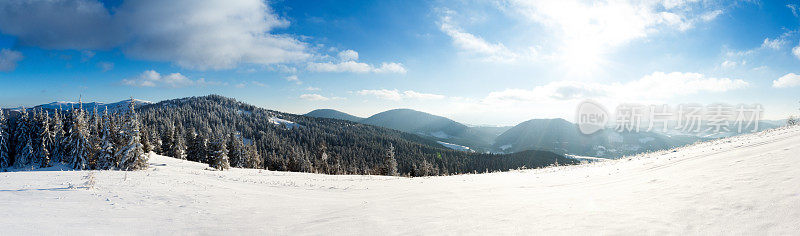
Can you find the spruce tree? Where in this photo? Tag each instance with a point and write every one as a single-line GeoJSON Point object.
{"type": "Point", "coordinates": [131, 155]}
{"type": "Point", "coordinates": [105, 155]}
{"type": "Point", "coordinates": [218, 154]}
{"type": "Point", "coordinates": [236, 151]}
{"type": "Point", "coordinates": [177, 145]}
{"type": "Point", "coordinates": [21, 138]}
{"type": "Point", "coordinates": [79, 143]}
{"type": "Point", "coordinates": [254, 160]}
{"type": "Point", "coordinates": [5, 157]}
{"type": "Point", "coordinates": [40, 152]}
{"type": "Point", "coordinates": [390, 162]}
{"type": "Point", "coordinates": [56, 147]}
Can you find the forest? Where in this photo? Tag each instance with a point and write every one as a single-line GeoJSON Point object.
{"type": "Point", "coordinates": [223, 133]}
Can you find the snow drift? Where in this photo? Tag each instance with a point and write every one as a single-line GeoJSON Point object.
{"type": "Point", "coordinates": [747, 184]}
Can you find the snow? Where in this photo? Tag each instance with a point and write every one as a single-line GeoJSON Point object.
{"type": "Point", "coordinates": [454, 146]}
{"type": "Point", "coordinates": [741, 185]}
{"type": "Point", "coordinates": [441, 134]}
{"type": "Point", "coordinates": [288, 124]}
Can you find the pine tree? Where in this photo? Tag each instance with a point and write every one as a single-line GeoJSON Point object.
{"type": "Point", "coordinates": [5, 158]}
{"type": "Point", "coordinates": [253, 158]}
{"type": "Point", "coordinates": [40, 152]}
{"type": "Point", "coordinates": [78, 142]}
{"type": "Point", "coordinates": [23, 152]}
{"type": "Point", "coordinates": [105, 156]}
{"type": "Point", "coordinates": [236, 151]}
{"type": "Point", "coordinates": [56, 147]}
{"type": "Point", "coordinates": [390, 162]}
{"type": "Point", "coordinates": [197, 149]}
{"type": "Point", "coordinates": [178, 145]}
{"type": "Point", "coordinates": [131, 155]}
{"type": "Point", "coordinates": [218, 155]}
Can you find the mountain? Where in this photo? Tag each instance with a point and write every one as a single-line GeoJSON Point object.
{"type": "Point", "coordinates": [291, 142]}
{"type": "Point", "coordinates": [90, 106]}
{"type": "Point", "coordinates": [561, 136]}
{"type": "Point", "coordinates": [333, 114]}
{"type": "Point", "coordinates": [434, 127]}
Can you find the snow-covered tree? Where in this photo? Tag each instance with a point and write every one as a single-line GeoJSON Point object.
{"type": "Point", "coordinates": [131, 155]}
{"type": "Point", "coordinates": [41, 140]}
{"type": "Point", "coordinates": [236, 151]}
{"type": "Point", "coordinates": [178, 144]}
{"type": "Point", "coordinates": [78, 142]}
{"type": "Point", "coordinates": [197, 148]}
{"type": "Point", "coordinates": [105, 155]}
{"type": "Point", "coordinates": [58, 138]}
{"type": "Point", "coordinates": [5, 157]}
{"type": "Point", "coordinates": [390, 162]}
{"type": "Point", "coordinates": [253, 158]}
{"type": "Point", "coordinates": [218, 154]}
{"type": "Point", "coordinates": [22, 135]}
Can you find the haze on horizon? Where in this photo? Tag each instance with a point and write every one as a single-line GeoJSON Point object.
{"type": "Point", "coordinates": [477, 62]}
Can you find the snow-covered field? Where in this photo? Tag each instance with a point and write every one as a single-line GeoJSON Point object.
{"type": "Point", "coordinates": [742, 185]}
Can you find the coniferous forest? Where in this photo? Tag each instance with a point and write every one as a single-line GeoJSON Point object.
{"type": "Point", "coordinates": [223, 133]}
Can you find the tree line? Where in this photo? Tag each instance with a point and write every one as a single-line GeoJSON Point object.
{"type": "Point", "coordinates": [224, 133]}
{"type": "Point", "coordinates": [79, 139]}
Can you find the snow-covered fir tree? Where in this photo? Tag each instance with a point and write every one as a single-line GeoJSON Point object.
{"type": "Point", "coordinates": [236, 151]}
{"type": "Point", "coordinates": [253, 158]}
{"type": "Point", "coordinates": [58, 138]}
{"type": "Point", "coordinates": [105, 155]}
{"type": "Point", "coordinates": [79, 143]}
{"type": "Point", "coordinates": [196, 150]}
{"type": "Point", "coordinates": [218, 154]}
{"type": "Point", "coordinates": [131, 155]}
{"type": "Point", "coordinates": [5, 157]}
{"type": "Point", "coordinates": [41, 140]}
{"type": "Point", "coordinates": [23, 151]}
{"type": "Point", "coordinates": [390, 162]}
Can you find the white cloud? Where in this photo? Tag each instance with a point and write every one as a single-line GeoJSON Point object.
{"type": "Point", "coordinates": [314, 97]}
{"type": "Point", "coordinates": [787, 81]}
{"type": "Point", "coordinates": [9, 59]}
{"type": "Point", "coordinates": [424, 96]}
{"type": "Point", "coordinates": [208, 34]}
{"type": "Point", "coordinates": [313, 89]}
{"type": "Point", "coordinates": [582, 33]}
{"type": "Point", "coordinates": [396, 95]}
{"type": "Point", "coordinates": [391, 67]}
{"type": "Point", "coordinates": [61, 24]}
{"type": "Point", "coordinates": [776, 43]}
{"type": "Point", "coordinates": [393, 95]}
{"type": "Point", "coordinates": [152, 78]}
{"type": "Point", "coordinates": [348, 55]}
{"type": "Point", "coordinates": [356, 67]}
{"type": "Point", "coordinates": [293, 78]}
{"type": "Point", "coordinates": [495, 52]}
{"type": "Point", "coordinates": [652, 87]}
{"type": "Point", "coordinates": [728, 64]}
{"type": "Point", "coordinates": [796, 51]}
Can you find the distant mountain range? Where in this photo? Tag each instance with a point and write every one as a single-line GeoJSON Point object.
{"type": "Point", "coordinates": [89, 106]}
{"type": "Point", "coordinates": [424, 124]}
{"type": "Point", "coordinates": [556, 135]}
{"type": "Point", "coordinates": [333, 114]}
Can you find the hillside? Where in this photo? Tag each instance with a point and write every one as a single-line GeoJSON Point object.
{"type": "Point", "coordinates": [741, 185]}
{"type": "Point", "coordinates": [432, 126]}
{"type": "Point", "coordinates": [333, 114]}
{"type": "Point", "coordinates": [561, 136]}
{"type": "Point", "coordinates": [307, 144]}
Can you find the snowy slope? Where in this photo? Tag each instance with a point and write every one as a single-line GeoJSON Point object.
{"type": "Point", "coordinates": [742, 185]}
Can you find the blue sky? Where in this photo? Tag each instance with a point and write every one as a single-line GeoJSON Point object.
{"type": "Point", "coordinates": [478, 62]}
